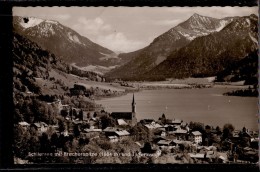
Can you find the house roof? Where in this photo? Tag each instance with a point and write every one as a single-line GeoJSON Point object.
{"type": "Point", "coordinates": [44, 124]}
{"type": "Point", "coordinates": [159, 132]}
{"type": "Point", "coordinates": [153, 126]}
{"type": "Point", "coordinates": [37, 124]}
{"type": "Point", "coordinates": [138, 143]}
{"type": "Point", "coordinates": [92, 130]}
{"type": "Point", "coordinates": [196, 133]}
{"type": "Point", "coordinates": [122, 133]}
{"type": "Point", "coordinates": [147, 121]}
{"type": "Point", "coordinates": [164, 142]}
{"type": "Point", "coordinates": [177, 141]}
{"type": "Point", "coordinates": [173, 121]}
{"type": "Point", "coordinates": [180, 131]}
{"type": "Point", "coordinates": [121, 122]}
{"type": "Point", "coordinates": [23, 123]}
{"type": "Point", "coordinates": [197, 155]}
{"type": "Point", "coordinates": [112, 137]}
{"type": "Point", "coordinates": [122, 115]}
{"type": "Point", "coordinates": [110, 129]}
{"type": "Point", "coordinates": [76, 122]}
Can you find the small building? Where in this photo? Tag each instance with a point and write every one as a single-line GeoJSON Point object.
{"type": "Point", "coordinates": [196, 137]}
{"type": "Point", "coordinates": [164, 143]}
{"type": "Point", "coordinates": [40, 126]}
{"type": "Point", "coordinates": [173, 122]}
{"type": "Point", "coordinates": [110, 131]}
{"type": "Point", "coordinates": [113, 139]}
{"type": "Point", "coordinates": [122, 134]}
{"type": "Point", "coordinates": [93, 130]}
{"type": "Point", "coordinates": [177, 142]}
{"type": "Point", "coordinates": [24, 124]}
{"type": "Point", "coordinates": [153, 125]}
{"type": "Point", "coordinates": [160, 133]}
{"type": "Point", "coordinates": [65, 133]}
{"type": "Point", "coordinates": [121, 122]}
{"type": "Point", "coordinates": [147, 121]}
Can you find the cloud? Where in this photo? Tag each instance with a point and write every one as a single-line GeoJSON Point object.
{"type": "Point", "coordinates": [91, 27]}
{"type": "Point", "coordinates": [63, 17]}
{"type": "Point", "coordinates": [168, 22]}
{"type": "Point", "coordinates": [98, 31]}
{"type": "Point", "coordinates": [216, 12]}
{"type": "Point", "coordinates": [119, 42]}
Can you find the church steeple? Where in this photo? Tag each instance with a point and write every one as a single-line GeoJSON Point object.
{"type": "Point", "coordinates": [133, 104]}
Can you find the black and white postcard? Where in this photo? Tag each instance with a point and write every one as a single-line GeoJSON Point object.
{"type": "Point", "coordinates": [135, 85]}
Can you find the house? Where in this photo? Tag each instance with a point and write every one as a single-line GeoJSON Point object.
{"type": "Point", "coordinates": [164, 143]}
{"type": "Point", "coordinates": [196, 137]}
{"type": "Point", "coordinates": [153, 125]}
{"type": "Point", "coordinates": [156, 139]}
{"type": "Point", "coordinates": [113, 139]}
{"type": "Point", "coordinates": [128, 117]}
{"type": "Point", "coordinates": [173, 122]}
{"type": "Point", "coordinates": [147, 121]}
{"type": "Point", "coordinates": [203, 156]}
{"type": "Point", "coordinates": [110, 131]}
{"type": "Point", "coordinates": [93, 130]}
{"type": "Point", "coordinates": [24, 124]}
{"type": "Point", "coordinates": [87, 115]}
{"type": "Point", "coordinates": [121, 122]}
{"type": "Point", "coordinates": [122, 134]}
{"type": "Point", "coordinates": [160, 133]}
{"type": "Point", "coordinates": [65, 133]}
{"type": "Point", "coordinates": [177, 142]}
{"type": "Point", "coordinates": [76, 121]}
{"type": "Point", "coordinates": [40, 126]}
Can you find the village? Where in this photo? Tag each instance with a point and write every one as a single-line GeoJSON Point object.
{"type": "Point", "coordinates": [117, 137]}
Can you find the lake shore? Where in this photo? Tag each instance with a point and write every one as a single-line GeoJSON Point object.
{"type": "Point", "coordinates": [207, 105]}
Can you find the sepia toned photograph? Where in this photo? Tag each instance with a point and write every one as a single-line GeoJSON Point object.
{"type": "Point", "coordinates": [135, 85]}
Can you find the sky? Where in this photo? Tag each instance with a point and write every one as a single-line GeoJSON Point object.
{"type": "Point", "coordinates": [126, 29]}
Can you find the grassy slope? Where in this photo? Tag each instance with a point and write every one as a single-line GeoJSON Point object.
{"type": "Point", "coordinates": [69, 81]}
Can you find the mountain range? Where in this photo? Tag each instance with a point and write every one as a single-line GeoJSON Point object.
{"type": "Point", "coordinates": [200, 46]}
{"type": "Point", "coordinates": [64, 42]}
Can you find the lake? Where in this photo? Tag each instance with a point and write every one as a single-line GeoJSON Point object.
{"type": "Point", "coordinates": [206, 105]}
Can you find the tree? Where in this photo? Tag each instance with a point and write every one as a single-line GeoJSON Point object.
{"type": "Point", "coordinates": [71, 113]}
{"type": "Point", "coordinates": [64, 113]}
{"type": "Point", "coordinates": [107, 121]}
{"type": "Point", "coordinates": [163, 119]}
{"type": "Point", "coordinates": [54, 141]}
{"type": "Point", "coordinates": [228, 130]}
{"type": "Point", "coordinates": [147, 148]}
{"type": "Point", "coordinates": [74, 112]}
{"type": "Point", "coordinates": [18, 116]}
{"type": "Point", "coordinates": [95, 115]}
{"type": "Point", "coordinates": [218, 130]}
{"type": "Point", "coordinates": [44, 143]}
{"type": "Point", "coordinates": [197, 126]}
{"type": "Point", "coordinates": [81, 115]}
{"type": "Point", "coordinates": [62, 126]}
{"type": "Point", "coordinates": [140, 133]}
{"type": "Point", "coordinates": [76, 131]}
{"type": "Point", "coordinates": [88, 115]}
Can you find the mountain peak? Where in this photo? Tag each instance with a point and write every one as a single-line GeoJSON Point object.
{"type": "Point", "coordinates": [196, 15]}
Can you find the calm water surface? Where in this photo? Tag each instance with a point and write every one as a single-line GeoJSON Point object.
{"type": "Point", "coordinates": [200, 105]}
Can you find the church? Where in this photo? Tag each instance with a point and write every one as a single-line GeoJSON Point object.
{"type": "Point", "coordinates": [128, 117]}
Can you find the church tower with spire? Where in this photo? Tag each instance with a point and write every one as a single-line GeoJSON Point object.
{"type": "Point", "coordinates": [134, 120]}
{"type": "Point", "coordinates": [128, 117]}
{"type": "Point", "coordinates": [133, 104]}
